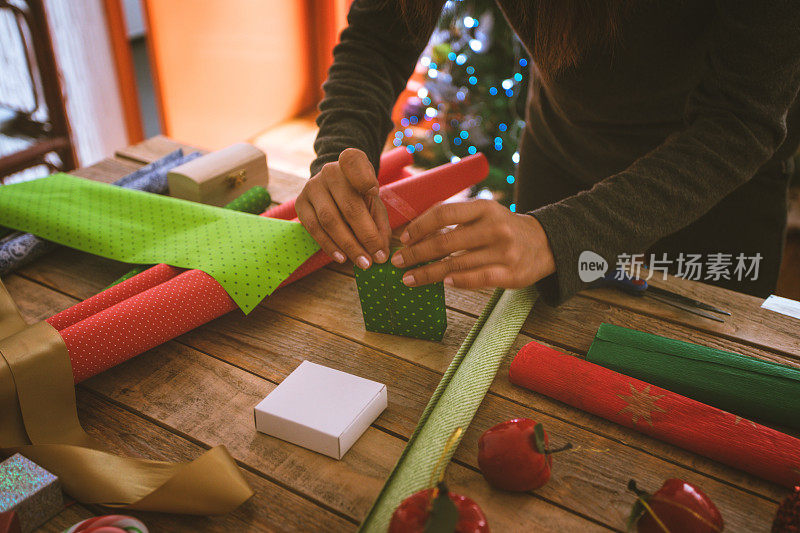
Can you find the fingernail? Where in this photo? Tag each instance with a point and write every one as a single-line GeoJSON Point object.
{"type": "Point", "coordinates": [405, 237]}
{"type": "Point", "coordinates": [363, 262]}
{"type": "Point", "coordinates": [408, 280]}
{"type": "Point", "coordinates": [380, 256]}
{"type": "Point", "coordinates": [339, 257]}
{"type": "Point", "coordinates": [397, 259]}
{"type": "Point", "coordinates": [448, 281]}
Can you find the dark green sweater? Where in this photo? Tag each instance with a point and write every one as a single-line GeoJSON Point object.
{"type": "Point", "coordinates": [693, 100]}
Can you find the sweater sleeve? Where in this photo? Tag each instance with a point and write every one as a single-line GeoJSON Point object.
{"type": "Point", "coordinates": [376, 55]}
{"type": "Point", "coordinates": [735, 120]}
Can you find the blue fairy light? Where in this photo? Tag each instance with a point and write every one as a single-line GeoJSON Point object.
{"type": "Point", "coordinates": [460, 95]}
{"type": "Point", "coordinates": [410, 148]}
{"type": "Point", "coordinates": [510, 179]}
{"type": "Point", "coordinates": [408, 132]}
{"type": "Point", "coordinates": [436, 126]}
{"type": "Point", "coordinates": [472, 150]}
{"type": "Point", "coordinates": [493, 90]}
{"type": "Point", "coordinates": [464, 134]}
{"type": "Point", "coordinates": [518, 76]}
{"type": "Point", "coordinates": [502, 126]}
{"type": "Point", "coordinates": [413, 119]}
{"type": "Point", "coordinates": [509, 93]}
{"type": "Point", "coordinates": [451, 56]}
{"type": "Point", "coordinates": [418, 147]}
{"type": "Point", "coordinates": [472, 80]}
{"type": "Point", "coordinates": [404, 122]}
{"type": "Point", "coordinates": [398, 134]}
{"type": "Point", "coordinates": [470, 70]}
{"type": "Point", "coordinates": [457, 141]}
{"type": "Point", "coordinates": [498, 140]}
{"type": "Point", "coordinates": [436, 138]}
{"type": "Point", "coordinates": [426, 101]}
{"type": "Point", "coordinates": [523, 62]}
{"type": "Point", "coordinates": [513, 208]}
{"type": "Point", "coordinates": [397, 142]}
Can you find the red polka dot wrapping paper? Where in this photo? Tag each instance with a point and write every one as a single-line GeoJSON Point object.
{"type": "Point", "coordinates": [664, 415]}
{"type": "Point", "coordinates": [109, 329]}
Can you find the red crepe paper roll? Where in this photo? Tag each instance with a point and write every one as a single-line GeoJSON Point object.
{"type": "Point", "coordinates": [192, 298]}
{"type": "Point", "coordinates": [657, 412]}
{"type": "Point", "coordinates": [392, 164]}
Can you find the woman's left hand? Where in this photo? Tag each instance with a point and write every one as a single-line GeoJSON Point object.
{"type": "Point", "coordinates": [490, 247]}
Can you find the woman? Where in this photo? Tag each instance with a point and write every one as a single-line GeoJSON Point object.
{"type": "Point", "coordinates": [658, 126]}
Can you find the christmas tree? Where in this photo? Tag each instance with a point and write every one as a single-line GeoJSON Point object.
{"type": "Point", "coordinates": [471, 96]}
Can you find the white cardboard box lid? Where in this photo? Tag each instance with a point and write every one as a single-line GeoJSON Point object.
{"type": "Point", "coordinates": [315, 402]}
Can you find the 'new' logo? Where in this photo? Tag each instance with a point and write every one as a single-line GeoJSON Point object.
{"type": "Point", "coordinates": [591, 266]}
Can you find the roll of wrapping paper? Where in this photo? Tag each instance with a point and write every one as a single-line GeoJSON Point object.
{"type": "Point", "coordinates": [19, 250]}
{"type": "Point", "coordinates": [162, 312]}
{"type": "Point", "coordinates": [664, 415]}
{"type": "Point", "coordinates": [392, 164]}
{"type": "Point", "coordinates": [743, 385]}
{"type": "Point", "coordinates": [158, 274]}
{"type": "Point", "coordinates": [253, 201]}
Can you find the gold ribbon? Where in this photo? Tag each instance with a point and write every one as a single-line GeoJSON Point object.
{"type": "Point", "coordinates": [39, 419]}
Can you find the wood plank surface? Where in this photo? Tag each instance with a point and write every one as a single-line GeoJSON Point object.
{"type": "Point", "coordinates": [198, 391]}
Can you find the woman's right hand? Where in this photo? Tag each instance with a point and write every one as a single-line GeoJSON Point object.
{"type": "Point", "coordinates": [341, 209]}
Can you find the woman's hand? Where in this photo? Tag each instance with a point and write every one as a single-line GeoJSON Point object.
{"type": "Point", "coordinates": [341, 209]}
{"type": "Point", "coordinates": [490, 247]}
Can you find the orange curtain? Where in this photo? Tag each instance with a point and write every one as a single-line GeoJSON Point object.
{"type": "Point", "coordinates": [226, 70]}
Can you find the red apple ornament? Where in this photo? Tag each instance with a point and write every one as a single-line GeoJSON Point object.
{"type": "Point", "coordinates": [515, 455]}
{"type": "Point", "coordinates": [677, 506]}
{"type": "Point", "coordinates": [438, 510]}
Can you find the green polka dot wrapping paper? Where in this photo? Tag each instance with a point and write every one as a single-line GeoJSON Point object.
{"type": "Point", "coordinates": [248, 255]}
{"type": "Point", "coordinates": [389, 306]}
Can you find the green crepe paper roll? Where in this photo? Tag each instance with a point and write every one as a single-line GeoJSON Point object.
{"type": "Point", "coordinates": [254, 201]}
{"type": "Point", "coordinates": [389, 306]}
{"type": "Point", "coordinates": [742, 385]}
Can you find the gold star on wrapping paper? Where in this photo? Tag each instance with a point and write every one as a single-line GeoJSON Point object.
{"type": "Point", "coordinates": [641, 404]}
{"type": "Point", "coordinates": [739, 419]}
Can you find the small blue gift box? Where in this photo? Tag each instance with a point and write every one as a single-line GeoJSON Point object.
{"type": "Point", "coordinates": [30, 490]}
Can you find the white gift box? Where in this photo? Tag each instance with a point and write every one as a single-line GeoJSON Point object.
{"type": "Point", "coordinates": [321, 409]}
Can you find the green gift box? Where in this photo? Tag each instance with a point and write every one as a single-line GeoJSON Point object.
{"type": "Point", "coordinates": [745, 386]}
{"type": "Point", "coordinates": [389, 306]}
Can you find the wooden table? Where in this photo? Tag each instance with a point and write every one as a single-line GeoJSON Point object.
{"type": "Point", "coordinates": [199, 390]}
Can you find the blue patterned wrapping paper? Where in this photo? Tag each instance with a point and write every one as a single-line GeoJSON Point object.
{"type": "Point", "coordinates": [18, 250]}
{"type": "Point", "coordinates": [29, 490]}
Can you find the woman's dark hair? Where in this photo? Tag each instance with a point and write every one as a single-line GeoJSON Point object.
{"type": "Point", "coordinates": [561, 30]}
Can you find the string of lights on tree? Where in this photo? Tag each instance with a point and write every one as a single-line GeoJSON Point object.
{"type": "Point", "coordinates": [471, 97]}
